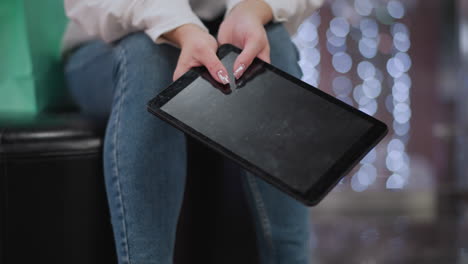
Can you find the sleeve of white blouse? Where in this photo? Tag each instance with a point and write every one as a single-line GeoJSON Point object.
{"type": "Point", "coordinates": [291, 11]}
{"type": "Point", "coordinates": [113, 19]}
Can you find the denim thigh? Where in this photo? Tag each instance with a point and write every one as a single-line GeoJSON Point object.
{"type": "Point", "coordinates": [144, 157]}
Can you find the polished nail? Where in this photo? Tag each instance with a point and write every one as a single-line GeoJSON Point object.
{"type": "Point", "coordinates": [222, 75]}
{"type": "Point", "coordinates": [238, 72]}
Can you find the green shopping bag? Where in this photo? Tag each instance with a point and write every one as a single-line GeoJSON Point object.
{"type": "Point", "coordinates": [31, 75]}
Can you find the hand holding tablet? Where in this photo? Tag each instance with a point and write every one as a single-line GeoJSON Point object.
{"type": "Point", "coordinates": [294, 136]}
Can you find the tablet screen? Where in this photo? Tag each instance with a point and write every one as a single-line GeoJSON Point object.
{"type": "Point", "coordinates": [289, 132]}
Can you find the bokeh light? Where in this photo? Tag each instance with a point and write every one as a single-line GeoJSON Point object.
{"type": "Point", "coordinates": [366, 70]}
{"type": "Point", "coordinates": [368, 47]}
{"type": "Point", "coordinates": [342, 62]}
{"type": "Point", "coordinates": [396, 9]}
{"type": "Point", "coordinates": [369, 28]}
{"type": "Point", "coordinates": [363, 7]}
{"type": "Point", "coordinates": [342, 86]}
{"type": "Point", "coordinates": [339, 26]}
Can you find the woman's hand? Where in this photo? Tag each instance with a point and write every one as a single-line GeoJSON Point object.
{"type": "Point", "coordinates": [243, 27]}
{"type": "Point", "coordinates": [197, 48]}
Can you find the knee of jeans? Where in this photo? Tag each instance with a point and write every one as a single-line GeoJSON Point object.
{"type": "Point", "coordinates": [142, 60]}
{"type": "Point", "coordinates": [283, 52]}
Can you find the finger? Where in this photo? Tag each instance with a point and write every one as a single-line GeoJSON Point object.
{"type": "Point", "coordinates": [223, 36]}
{"type": "Point", "coordinates": [252, 48]}
{"type": "Point", "coordinates": [180, 70]}
{"type": "Point", "coordinates": [216, 68]}
{"type": "Point", "coordinates": [184, 64]}
{"type": "Point", "coordinates": [265, 54]}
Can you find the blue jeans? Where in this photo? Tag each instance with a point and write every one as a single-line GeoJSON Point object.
{"type": "Point", "coordinates": [145, 158]}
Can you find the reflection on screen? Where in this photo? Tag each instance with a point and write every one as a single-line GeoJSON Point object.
{"type": "Point", "coordinates": [283, 129]}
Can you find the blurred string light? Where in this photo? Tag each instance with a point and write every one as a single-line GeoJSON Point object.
{"type": "Point", "coordinates": [384, 64]}
{"type": "Point", "coordinates": [398, 103]}
{"type": "Point", "coordinates": [337, 34]}
{"type": "Point", "coordinates": [336, 44]}
{"type": "Point", "coordinates": [307, 41]}
{"type": "Point", "coordinates": [397, 65]}
{"type": "Point", "coordinates": [364, 20]}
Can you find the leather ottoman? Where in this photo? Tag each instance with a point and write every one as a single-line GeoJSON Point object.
{"type": "Point", "coordinates": [53, 203]}
{"type": "Point", "coordinates": [53, 206]}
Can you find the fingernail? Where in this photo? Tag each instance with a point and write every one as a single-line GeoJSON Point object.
{"type": "Point", "coordinates": [238, 72]}
{"type": "Point", "coordinates": [222, 75]}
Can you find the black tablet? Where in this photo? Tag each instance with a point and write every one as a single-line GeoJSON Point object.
{"type": "Point", "coordinates": [294, 136]}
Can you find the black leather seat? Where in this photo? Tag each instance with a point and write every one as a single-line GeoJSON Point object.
{"type": "Point", "coordinates": [54, 208]}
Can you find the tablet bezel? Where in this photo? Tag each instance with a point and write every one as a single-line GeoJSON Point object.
{"type": "Point", "coordinates": [326, 182]}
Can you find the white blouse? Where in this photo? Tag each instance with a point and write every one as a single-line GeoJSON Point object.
{"type": "Point", "coordinates": [110, 20]}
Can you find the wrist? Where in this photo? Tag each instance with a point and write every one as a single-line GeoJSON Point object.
{"type": "Point", "coordinates": [264, 11]}
{"type": "Point", "coordinates": [258, 8]}
{"type": "Point", "coordinates": [180, 34]}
